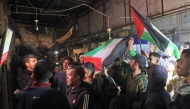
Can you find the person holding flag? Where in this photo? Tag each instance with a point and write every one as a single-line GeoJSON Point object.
{"type": "Point", "coordinates": [135, 85]}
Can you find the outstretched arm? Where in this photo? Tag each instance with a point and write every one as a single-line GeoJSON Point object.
{"type": "Point", "coordinates": [130, 47]}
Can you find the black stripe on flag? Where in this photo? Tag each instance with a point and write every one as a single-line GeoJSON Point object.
{"type": "Point", "coordinates": [159, 39]}
{"type": "Point", "coordinates": [118, 51]}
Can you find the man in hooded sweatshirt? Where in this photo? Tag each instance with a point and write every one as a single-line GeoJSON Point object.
{"type": "Point", "coordinates": [79, 94]}
{"type": "Point", "coordinates": [136, 82]}
{"type": "Point", "coordinates": [183, 87]}
{"type": "Point", "coordinates": [157, 96]}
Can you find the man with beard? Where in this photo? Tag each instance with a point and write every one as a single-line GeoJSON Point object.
{"type": "Point", "coordinates": [136, 82]}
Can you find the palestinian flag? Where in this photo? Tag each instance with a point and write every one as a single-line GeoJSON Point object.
{"type": "Point", "coordinates": [149, 32]}
{"type": "Point", "coordinates": [104, 55]}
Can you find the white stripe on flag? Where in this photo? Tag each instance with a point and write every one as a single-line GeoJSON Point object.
{"type": "Point", "coordinates": [105, 52]}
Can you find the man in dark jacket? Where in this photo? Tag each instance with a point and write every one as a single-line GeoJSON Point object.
{"type": "Point", "coordinates": [90, 77]}
{"type": "Point", "coordinates": [183, 87]}
{"type": "Point", "coordinates": [136, 83]}
{"type": "Point", "coordinates": [59, 79]}
{"type": "Point", "coordinates": [24, 78]}
{"type": "Point", "coordinates": [116, 72]}
{"type": "Point", "coordinates": [41, 95]}
{"type": "Point", "coordinates": [79, 94]}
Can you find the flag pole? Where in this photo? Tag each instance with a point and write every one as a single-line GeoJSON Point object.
{"type": "Point", "coordinates": [140, 42]}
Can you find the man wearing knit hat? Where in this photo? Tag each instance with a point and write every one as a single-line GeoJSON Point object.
{"type": "Point", "coordinates": [136, 82]}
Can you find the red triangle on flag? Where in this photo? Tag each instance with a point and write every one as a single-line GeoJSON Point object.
{"type": "Point", "coordinates": [138, 24]}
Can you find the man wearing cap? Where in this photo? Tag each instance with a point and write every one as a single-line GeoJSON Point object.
{"type": "Point", "coordinates": [136, 82]}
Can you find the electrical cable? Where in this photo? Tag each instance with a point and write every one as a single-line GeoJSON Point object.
{"type": "Point", "coordinates": [90, 8]}
{"type": "Point", "coordinates": [32, 5]}
{"type": "Point", "coordinates": [36, 21]}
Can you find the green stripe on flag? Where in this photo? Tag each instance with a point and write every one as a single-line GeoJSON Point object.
{"type": "Point", "coordinates": [153, 35]}
{"type": "Point", "coordinates": [93, 52]}
{"type": "Point", "coordinates": [148, 37]}
{"type": "Point", "coordinates": [172, 47]}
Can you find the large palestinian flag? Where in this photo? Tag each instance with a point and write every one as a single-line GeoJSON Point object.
{"type": "Point", "coordinates": [149, 32]}
{"type": "Point", "coordinates": [104, 55]}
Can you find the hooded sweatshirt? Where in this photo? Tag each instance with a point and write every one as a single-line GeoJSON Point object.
{"type": "Point", "coordinates": [157, 96]}
{"type": "Point", "coordinates": [81, 97]}
{"type": "Point", "coordinates": [134, 89]}
{"type": "Point", "coordinates": [40, 96]}
{"type": "Point", "coordinates": [183, 99]}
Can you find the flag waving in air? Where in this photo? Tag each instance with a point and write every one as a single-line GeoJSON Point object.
{"type": "Point", "coordinates": [149, 32]}
{"type": "Point", "coordinates": [104, 55]}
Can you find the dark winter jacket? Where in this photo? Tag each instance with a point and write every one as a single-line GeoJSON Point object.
{"type": "Point", "coordinates": [98, 93]}
{"type": "Point", "coordinates": [107, 80]}
{"type": "Point", "coordinates": [134, 88]}
{"type": "Point", "coordinates": [41, 96]}
{"type": "Point", "coordinates": [96, 88]}
{"type": "Point", "coordinates": [183, 99]}
{"type": "Point", "coordinates": [59, 81]}
{"type": "Point", "coordinates": [81, 96]}
{"type": "Point", "coordinates": [24, 79]}
{"type": "Point", "coordinates": [117, 74]}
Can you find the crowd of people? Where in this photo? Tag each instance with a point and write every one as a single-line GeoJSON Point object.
{"type": "Point", "coordinates": [164, 84]}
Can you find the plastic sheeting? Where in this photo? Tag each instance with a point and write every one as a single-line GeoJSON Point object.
{"type": "Point", "coordinates": [66, 36]}
{"type": "Point", "coordinates": [115, 12]}
{"type": "Point", "coordinates": [41, 40]}
{"type": "Point", "coordinates": [36, 40]}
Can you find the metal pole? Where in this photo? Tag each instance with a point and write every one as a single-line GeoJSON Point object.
{"type": "Point", "coordinates": [140, 43]}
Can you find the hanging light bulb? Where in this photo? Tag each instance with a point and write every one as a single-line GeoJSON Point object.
{"type": "Point", "coordinates": [109, 32]}
{"type": "Point", "coordinates": [37, 28]}
{"type": "Point", "coordinates": [36, 21]}
{"type": "Point", "coordinates": [109, 29]}
{"type": "Point", "coordinates": [36, 24]}
{"type": "Point", "coordinates": [36, 14]}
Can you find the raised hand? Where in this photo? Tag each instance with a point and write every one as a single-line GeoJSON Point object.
{"type": "Point", "coordinates": [130, 43]}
